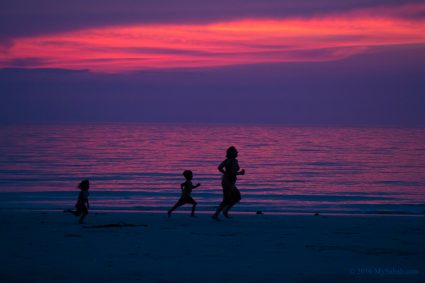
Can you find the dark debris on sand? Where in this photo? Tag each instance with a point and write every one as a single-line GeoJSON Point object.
{"type": "Point", "coordinates": [115, 225]}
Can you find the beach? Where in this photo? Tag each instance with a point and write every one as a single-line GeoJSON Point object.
{"type": "Point", "coordinates": [149, 247]}
{"type": "Point", "coordinates": [305, 119]}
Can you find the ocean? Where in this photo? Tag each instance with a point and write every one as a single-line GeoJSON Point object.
{"type": "Point", "coordinates": [138, 167]}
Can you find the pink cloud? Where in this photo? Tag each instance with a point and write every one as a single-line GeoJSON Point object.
{"type": "Point", "coordinates": [245, 41]}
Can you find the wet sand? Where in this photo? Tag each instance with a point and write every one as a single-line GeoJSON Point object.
{"type": "Point", "coordinates": [143, 247]}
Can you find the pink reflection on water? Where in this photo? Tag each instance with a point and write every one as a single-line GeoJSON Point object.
{"type": "Point", "coordinates": [385, 165]}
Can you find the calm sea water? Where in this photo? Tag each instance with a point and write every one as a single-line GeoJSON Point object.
{"type": "Point", "coordinates": [138, 167]}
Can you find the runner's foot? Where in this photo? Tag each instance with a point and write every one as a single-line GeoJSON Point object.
{"type": "Point", "coordinates": [226, 214]}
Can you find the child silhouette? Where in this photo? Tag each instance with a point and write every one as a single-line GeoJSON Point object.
{"type": "Point", "coordinates": [82, 205]}
{"type": "Point", "coordinates": [186, 197]}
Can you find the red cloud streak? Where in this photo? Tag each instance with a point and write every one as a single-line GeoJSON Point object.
{"type": "Point", "coordinates": [244, 41]}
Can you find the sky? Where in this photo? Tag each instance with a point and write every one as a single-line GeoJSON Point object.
{"type": "Point", "coordinates": [307, 62]}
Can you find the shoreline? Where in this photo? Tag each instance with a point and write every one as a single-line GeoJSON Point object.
{"type": "Point", "coordinates": [207, 212]}
{"type": "Point", "coordinates": [133, 202]}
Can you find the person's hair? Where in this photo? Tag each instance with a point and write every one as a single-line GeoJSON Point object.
{"type": "Point", "coordinates": [187, 174]}
{"type": "Point", "coordinates": [231, 152]}
{"type": "Point", "coordinates": [84, 185]}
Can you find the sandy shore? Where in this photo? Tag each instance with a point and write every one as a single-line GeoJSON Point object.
{"type": "Point", "coordinates": [52, 247]}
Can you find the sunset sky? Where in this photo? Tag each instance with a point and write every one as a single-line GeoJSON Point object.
{"type": "Point", "coordinates": [289, 62]}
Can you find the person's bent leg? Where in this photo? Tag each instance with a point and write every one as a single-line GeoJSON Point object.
{"type": "Point", "coordinates": [172, 209]}
{"type": "Point", "coordinates": [193, 209]}
{"type": "Point", "coordinates": [83, 215]}
{"type": "Point", "coordinates": [226, 210]}
{"type": "Point", "coordinates": [218, 210]}
{"type": "Point", "coordinates": [179, 203]}
{"type": "Point", "coordinates": [234, 198]}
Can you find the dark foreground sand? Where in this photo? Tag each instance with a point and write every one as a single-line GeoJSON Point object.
{"type": "Point", "coordinates": [52, 247]}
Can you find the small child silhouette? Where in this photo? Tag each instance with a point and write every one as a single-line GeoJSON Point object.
{"type": "Point", "coordinates": [82, 205]}
{"type": "Point", "coordinates": [186, 197]}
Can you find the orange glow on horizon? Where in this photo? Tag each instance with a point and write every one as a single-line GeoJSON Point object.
{"type": "Point", "coordinates": [250, 41]}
